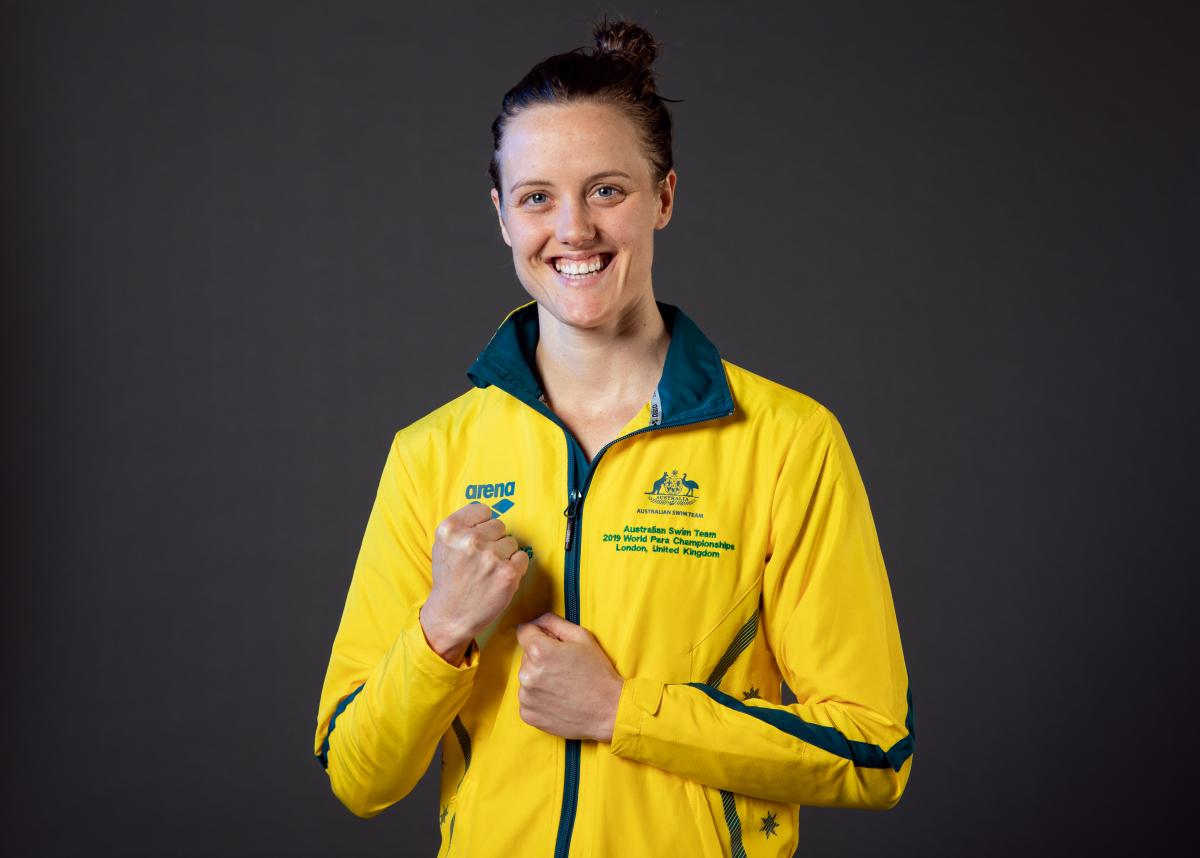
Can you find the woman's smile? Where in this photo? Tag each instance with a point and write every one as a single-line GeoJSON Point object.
{"type": "Point", "coordinates": [574, 271]}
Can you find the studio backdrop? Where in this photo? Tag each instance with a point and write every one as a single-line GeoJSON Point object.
{"type": "Point", "coordinates": [245, 243]}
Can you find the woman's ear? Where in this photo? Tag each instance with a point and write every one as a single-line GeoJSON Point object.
{"type": "Point", "coordinates": [500, 217]}
{"type": "Point", "coordinates": [666, 199]}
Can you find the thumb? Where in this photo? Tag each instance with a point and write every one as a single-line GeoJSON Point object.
{"type": "Point", "coordinates": [554, 624]}
{"type": "Point", "coordinates": [530, 631]}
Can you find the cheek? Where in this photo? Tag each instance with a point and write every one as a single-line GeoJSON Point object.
{"type": "Point", "coordinates": [635, 247]}
{"type": "Point", "coordinates": [526, 239]}
{"type": "Point", "coordinates": [632, 234]}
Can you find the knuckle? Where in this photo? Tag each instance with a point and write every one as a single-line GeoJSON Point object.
{"type": "Point", "coordinates": [482, 512]}
{"type": "Point", "coordinates": [495, 525]}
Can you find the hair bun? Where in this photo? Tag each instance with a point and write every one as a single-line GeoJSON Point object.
{"type": "Point", "coordinates": [633, 42]}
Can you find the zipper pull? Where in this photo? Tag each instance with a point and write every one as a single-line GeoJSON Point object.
{"type": "Point", "coordinates": [571, 512]}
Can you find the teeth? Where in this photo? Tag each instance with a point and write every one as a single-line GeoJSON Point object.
{"type": "Point", "coordinates": [578, 269]}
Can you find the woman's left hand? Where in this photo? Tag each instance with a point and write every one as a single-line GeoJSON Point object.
{"type": "Point", "coordinates": [568, 685]}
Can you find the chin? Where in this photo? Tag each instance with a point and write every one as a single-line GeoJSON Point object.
{"type": "Point", "coordinates": [583, 311]}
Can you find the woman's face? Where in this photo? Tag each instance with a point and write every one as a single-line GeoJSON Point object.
{"type": "Point", "coordinates": [579, 190]}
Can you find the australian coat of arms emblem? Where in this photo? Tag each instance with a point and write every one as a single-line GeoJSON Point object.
{"type": "Point", "coordinates": [673, 489]}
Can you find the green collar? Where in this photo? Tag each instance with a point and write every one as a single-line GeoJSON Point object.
{"type": "Point", "coordinates": [693, 386]}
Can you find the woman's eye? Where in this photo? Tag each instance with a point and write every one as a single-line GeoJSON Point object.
{"type": "Point", "coordinates": [537, 198]}
{"type": "Point", "coordinates": [613, 191]}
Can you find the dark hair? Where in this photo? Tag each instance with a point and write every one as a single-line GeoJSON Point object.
{"type": "Point", "coordinates": [617, 71]}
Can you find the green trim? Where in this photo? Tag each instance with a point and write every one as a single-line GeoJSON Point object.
{"type": "Point", "coordinates": [734, 823]}
{"type": "Point", "coordinates": [464, 742]}
{"type": "Point", "coordinates": [862, 754]}
{"type": "Point", "coordinates": [323, 757]}
{"type": "Point", "coordinates": [507, 360]}
{"type": "Point", "coordinates": [693, 383]}
{"type": "Point", "coordinates": [736, 647]}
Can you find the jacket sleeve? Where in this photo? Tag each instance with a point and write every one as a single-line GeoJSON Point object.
{"type": "Point", "coordinates": [388, 697]}
{"type": "Point", "coordinates": [828, 618]}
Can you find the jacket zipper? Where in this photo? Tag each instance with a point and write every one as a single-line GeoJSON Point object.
{"type": "Point", "coordinates": [574, 514]}
{"type": "Point", "coordinates": [571, 512]}
{"type": "Point", "coordinates": [566, 819]}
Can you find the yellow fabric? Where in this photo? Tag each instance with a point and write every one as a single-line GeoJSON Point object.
{"type": "Point", "coordinates": [688, 772]}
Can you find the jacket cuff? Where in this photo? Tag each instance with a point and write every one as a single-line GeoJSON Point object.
{"type": "Point", "coordinates": [429, 662]}
{"type": "Point", "coordinates": [640, 699]}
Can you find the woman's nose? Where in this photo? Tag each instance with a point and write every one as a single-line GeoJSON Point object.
{"type": "Point", "coordinates": [574, 223]}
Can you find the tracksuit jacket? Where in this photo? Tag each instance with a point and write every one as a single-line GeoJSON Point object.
{"type": "Point", "coordinates": [720, 545]}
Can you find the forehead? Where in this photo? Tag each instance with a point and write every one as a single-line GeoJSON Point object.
{"type": "Point", "coordinates": [559, 142]}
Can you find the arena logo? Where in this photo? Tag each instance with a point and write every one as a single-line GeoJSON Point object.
{"type": "Point", "coordinates": [673, 489]}
{"type": "Point", "coordinates": [478, 492]}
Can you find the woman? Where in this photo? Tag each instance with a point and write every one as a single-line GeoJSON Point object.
{"type": "Point", "coordinates": [610, 683]}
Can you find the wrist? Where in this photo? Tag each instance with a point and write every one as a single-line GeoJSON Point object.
{"type": "Point", "coordinates": [443, 638]}
{"type": "Point", "coordinates": [609, 725]}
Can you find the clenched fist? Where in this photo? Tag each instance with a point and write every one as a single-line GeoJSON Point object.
{"type": "Point", "coordinates": [477, 568]}
{"type": "Point", "coordinates": [568, 685]}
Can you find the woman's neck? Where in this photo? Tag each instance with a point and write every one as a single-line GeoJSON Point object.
{"type": "Point", "coordinates": [602, 370]}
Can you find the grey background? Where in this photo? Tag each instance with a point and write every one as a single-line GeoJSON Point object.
{"type": "Point", "coordinates": [246, 242]}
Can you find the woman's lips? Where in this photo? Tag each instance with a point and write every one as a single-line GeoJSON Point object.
{"type": "Point", "coordinates": [582, 279]}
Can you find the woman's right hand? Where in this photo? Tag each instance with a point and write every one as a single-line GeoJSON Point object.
{"type": "Point", "coordinates": [477, 568]}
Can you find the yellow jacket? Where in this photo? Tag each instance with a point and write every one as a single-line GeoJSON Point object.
{"type": "Point", "coordinates": [721, 544]}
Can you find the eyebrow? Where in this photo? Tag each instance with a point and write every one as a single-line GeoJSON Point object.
{"type": "Point", "coordinates": [523, 182]}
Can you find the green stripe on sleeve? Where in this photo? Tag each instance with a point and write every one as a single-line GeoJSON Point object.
{"type": "Point", "coordinates": [862, 754]}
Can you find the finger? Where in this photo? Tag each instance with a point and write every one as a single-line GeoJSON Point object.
{"type": "Point", "coordinates": [528, 632]}
{"type": "Point", "coordinates": [491, 529]}
{"type": "Point", "coordinates": [533, 643]}
{"type": "Point", "coordinates": [505, 548]}
{"type": "Point", "coordinates": [555, 625]}
{"type": "Point", "coordinates": [472, 514]}
{"type": "Point", "coordinates": [521, 634]}
{"type": "Point", "coordinates": [520, 560]}
{"type": "Point", "coordinates": [482, 536]}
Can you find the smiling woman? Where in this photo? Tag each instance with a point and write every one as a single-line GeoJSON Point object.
{"type": "Point", "coordinates": [580, 214]}
{"type": "Point", "coordinates": [588, 677]}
